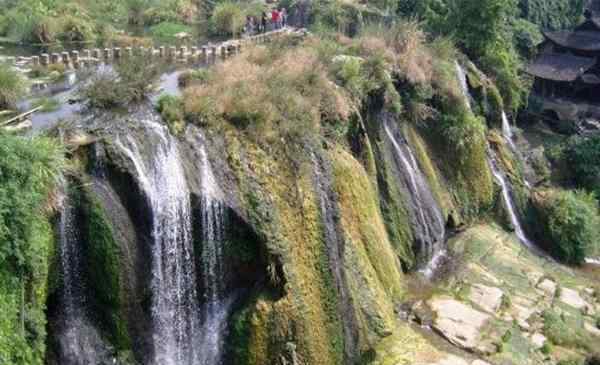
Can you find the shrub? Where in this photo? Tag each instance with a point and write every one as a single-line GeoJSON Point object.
{"type": "Point", "coordinates": [228, 18]}
{"type": "Point", "coordinates": [569, 224]}
{"type": "Point", "coordinates": [171, 109]}
{"type": "Point", "coordinates": [28, 173]}
{"type": "Point", "coordinates": [132, 81]}
{"type": "Point", "coordinates": [12, 87]}
{"type": "Point", "coordinates": [564, 333]}
{"type": "Point", "coordinates": [583, 159]}
{"type": "Point", "coordinates": [193, 77]}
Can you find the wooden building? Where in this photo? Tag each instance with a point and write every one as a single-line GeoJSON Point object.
{"type": "Point", "coordinates": [568, 66]}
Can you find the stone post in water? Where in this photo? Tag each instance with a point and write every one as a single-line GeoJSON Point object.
{"type": "Point", "coordinates": [204, 55]}
{"type": "Point", "coordinates": [45, 59]}
{"type": "Point", "coordinates": [172, 53]}
{"type": "Point", "coordinates": [75, 58]}
{"type": "Point", "coordinates": [213, 52]}
{"type": "Point", "coordinates": [161, 51]}
{"type": "Point", "coordinates": [35, 61]}
{"type": "Point", "coordinates": [223, 52]}
{"type": "Point", "coordinates": [106, 55]}
{"type": "Point", "coordinates": [55, 58]}
{"type": "Point", "coordinates": [117, 53]}
{"type": "Point", "coordinates": [182, 52]}
{"type": "Point", "coordinates": [96, 53]}
{"type": "Point", "coordinates": [66, 59]}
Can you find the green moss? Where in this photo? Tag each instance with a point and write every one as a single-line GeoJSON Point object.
{"type": "Point", "coordinates": [375, 281]}
{"type": "Point", "coordinates": [104, 271]}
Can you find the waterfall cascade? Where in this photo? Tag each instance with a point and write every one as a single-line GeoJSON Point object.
{"type": "Point", "coordinates": [217, 305]}
{"type": "Point", "coordinates": [176, 329]}
{"type": "Point", "coordinates": [507, 132]}
{"type": "Point", "coordinates": [462, 79]}
{"type": "Point", "coordinates": [79, 341]}
{"type": "Point", "coordinates": [508, 201]}
{"type": "Point", "coordinates": [428, 223]}
{"type": "Point", "coordinates": [496, 172]}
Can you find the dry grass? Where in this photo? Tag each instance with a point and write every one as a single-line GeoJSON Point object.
{"type": "Point", "coordinates": [270, 94]}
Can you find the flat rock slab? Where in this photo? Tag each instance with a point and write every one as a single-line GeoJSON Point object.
{"type": "Point", "coordinates": [572, 298]}
{"type": "Point", "coordinates": [450, 360]}
{"type": "Point", "coordinates": [489, 298]}
{"type": "Point", "coordinates": [458, 323]}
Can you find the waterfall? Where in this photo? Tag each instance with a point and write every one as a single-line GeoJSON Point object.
{"type": "Point", "coordinates": [508, 201]}
{"type": "Point", "coordinates": [174, 305]}
{"type": "Point", "coordinates": [464, 86]}
{"type": "Point", "coordinates": [428, 223]}
{"type": "Point", "coordinates": [217, 304]}
{"type": "Point", "coordinates": [79, 341]}
{"type": "Point", "coordinates": [507, 131]}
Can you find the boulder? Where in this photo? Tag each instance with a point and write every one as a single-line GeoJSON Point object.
{"type": "Point", "coordinates": [592, 329]}
{"type": "Point", "coordinates": [489, 298]}
{"type": "Point", "coordinates": [458, 323]}
{"type": "Point", "coordinates": [548, 287]}
{"type": "Point", "coordinates": [538, 340]}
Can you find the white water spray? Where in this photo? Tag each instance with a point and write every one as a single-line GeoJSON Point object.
{"type": "Point", "coordinates": [79, 341]}
{"type": "Point", "coordinates": [462, 79]}
{"type": "Point", "coordinates": [508, 202]}
{"type": "Point", "coordinates": [427, 216]}
{"type": "Point", "coordinates": [174, 297]}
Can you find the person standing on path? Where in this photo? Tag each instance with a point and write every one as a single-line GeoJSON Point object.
{"type": "Point", "coordinates": [283, 17]}
{"type": "Point", "coordinates": [263, 22]}
{"type": "Point", "coordinates": [275, 18]}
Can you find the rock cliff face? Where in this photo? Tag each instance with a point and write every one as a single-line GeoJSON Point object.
{"type": "Point", "coordinates": [211, 247]}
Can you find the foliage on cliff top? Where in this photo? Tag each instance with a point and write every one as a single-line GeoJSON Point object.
{"type": "Point", "coordinates": [270, 93]}
{"type": "Point", "coordinates": [131, 81]}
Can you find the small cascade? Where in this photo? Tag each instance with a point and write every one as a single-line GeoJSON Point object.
{"type": "Point", "coordinates": [508, 201]}
{"type": "Point", "coordinates": [507, 131]}
{"type": "Point", "coordinates": [464, 86]}
{"type": "Point", "coordinates": [174, 305]}
{"type": "Point", "coordinates": [428, 223]}
{"type": "Point", "coordinates": [217, 305]}
{"type": "Point", "coordinates": [508, 135]}
{"type": "Point", "coordinates": [79, 341]}
{"type": "Point", "coordinates": [335, 253]}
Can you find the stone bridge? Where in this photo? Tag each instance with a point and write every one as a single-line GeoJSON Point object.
{"type": "Point", "coordinates": [207, 54]}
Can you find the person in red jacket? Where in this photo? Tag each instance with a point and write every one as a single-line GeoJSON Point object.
{"type": "Point", "coordinates": [275, 18]}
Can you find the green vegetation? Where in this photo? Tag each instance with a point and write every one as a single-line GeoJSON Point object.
{"type": "Point", "coordinates": [171, 110]}
{"type": "Point", "coordinates": [103, 271]}
{"type": "Point", "coordinates": [565, 331]}
{"type": "Point", "coordinates": [51, 21]}
{"type": "Point", "coordinates": [582, 157]}
{"type": "Point", "coordinates": [228, 18]}
{"type": "Point", "coordinates": [12, 87]}
{"type": "Point", "coordinates": [132, 81]}
{"type": "Point", "coordinates": [168, 31]}
{"type": "Point", "coordinates": [28, 174]}
{"type": "Point", "coordinates": [568, 224]}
